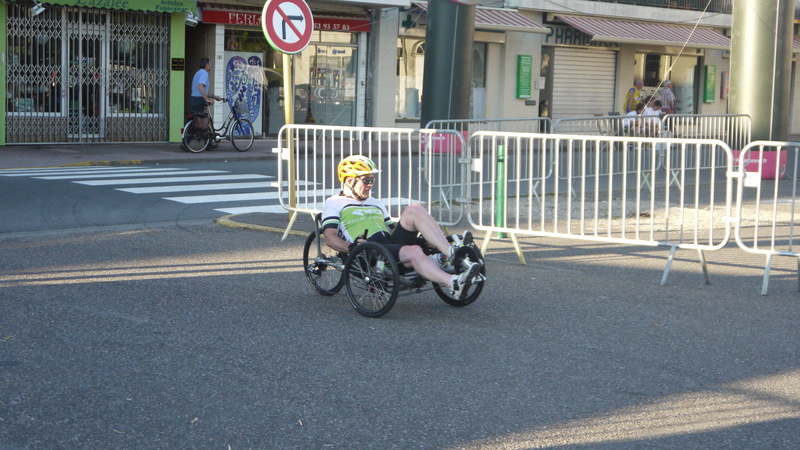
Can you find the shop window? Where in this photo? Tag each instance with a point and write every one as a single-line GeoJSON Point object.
{"type": "Point", "coordinates": [136, 65]}
{"type": "Point", "coordinates": [325, 78]}
{"type": "Point", "coordinates": [655, 69]}
{"type": "Point", "coordinates": [86, 74]}
{"type": "Point", "coordinates": [410, 70]}
{"type": "Point", "coordinates": [34, 71]}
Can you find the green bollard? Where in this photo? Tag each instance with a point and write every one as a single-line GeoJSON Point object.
{"type": "Point", "coordinates": [500, 209]}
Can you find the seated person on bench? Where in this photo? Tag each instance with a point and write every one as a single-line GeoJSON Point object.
{"type": "Point", "coordinates": [353, 217]}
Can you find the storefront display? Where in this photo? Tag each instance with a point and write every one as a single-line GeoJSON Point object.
{"type": "Point", "coordinates": [88, 75]}
{"type": "Point", "coordinates": [325, 72]}
{"type": "Point", "coordinates": [244, 74]}
{"type": "Point", "coordinates": [654, 68]}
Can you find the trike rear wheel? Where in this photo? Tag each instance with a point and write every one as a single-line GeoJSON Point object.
{"type": "Point", "coordinates": [372, 279]}
{"type": "Point", "coordinates": [322, 265]}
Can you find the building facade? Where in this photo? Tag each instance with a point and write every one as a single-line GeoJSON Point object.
{"type": "Point", "coordinates": [110, 71]}
{"type": "Point", "coordinates": [89, 71]}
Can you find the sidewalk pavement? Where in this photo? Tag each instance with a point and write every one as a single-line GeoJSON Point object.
{"type": "Point", "coordinates": [59, 155]}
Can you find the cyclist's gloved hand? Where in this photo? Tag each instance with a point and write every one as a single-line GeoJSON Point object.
{"type": "Point", "coordinates": [362, 238]}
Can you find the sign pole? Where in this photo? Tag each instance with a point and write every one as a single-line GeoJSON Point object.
{"type": "Point", "coordinates": [288, 110]}
{"type": "Point", "coordinates": [288, 26]}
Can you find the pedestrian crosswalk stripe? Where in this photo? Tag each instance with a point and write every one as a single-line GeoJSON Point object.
{"type": "Point", "coordinates": [6, 172]}
{"type": "Point", "coordinates": [254, 209]}
{"type": "Point", "coordinates": [171, 180]}
{"type": "Point", "coordinates": [195, 187]}
{"type": "Point", "coordinates": [126, 174]}
{"type": "Point", "coordinates": [176, 180]}
{"type": "Point", "coordinates": [209, 187]}
{"type": "Point", "coordinates": [194, 199]}
{"type": "Point", "coordinates": [86, 173]}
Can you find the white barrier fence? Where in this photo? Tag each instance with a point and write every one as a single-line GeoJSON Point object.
{"type": "Point", "coordinates": [538, 170]}
{"type": "Point", "coordinates": [634, 205]}
{"type": "Point", "coordinates": [639, 126]}
{"type": "Point", "coordinates": [733, 129]}
{"type": "Point", "coordinates": [312, 154]}
{"type": "Point", "coordinates": [676, 193]}
{"type": "Point", "coordinates": [611, 159]}
{"type": "Point", "coordinates": [516, 125]}
{"type": "Point", "coordinates": [767, 201]}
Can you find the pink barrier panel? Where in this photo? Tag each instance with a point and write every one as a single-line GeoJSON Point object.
{"type": "Point", "coordinates": [772, 162]}
{"type": "Point", "coordinates": [446, 143]}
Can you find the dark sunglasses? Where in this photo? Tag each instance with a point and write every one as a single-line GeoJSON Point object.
{"type": "Point", "coordinates": [367, 180]}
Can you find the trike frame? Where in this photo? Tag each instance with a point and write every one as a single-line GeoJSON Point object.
{"type": "Point", "coordinates": [373, 279]}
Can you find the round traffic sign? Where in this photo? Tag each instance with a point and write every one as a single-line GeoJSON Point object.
{"type": "Point", "coordinates": [287, 25]}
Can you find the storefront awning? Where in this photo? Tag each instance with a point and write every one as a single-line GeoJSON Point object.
{"type": "Point", "coordinates": [648, 33]}
{"type": "Point", "coordinates": [169, 6]}
{"type": "Point", "coordinates": [495, 19]}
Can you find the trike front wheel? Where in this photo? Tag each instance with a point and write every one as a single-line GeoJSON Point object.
{"type": "Point", "coordinates": [474, 290]}
{"type": "Point", "coordinates": [372, 279]}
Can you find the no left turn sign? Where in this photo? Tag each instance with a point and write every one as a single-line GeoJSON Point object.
{"type": "Point", "coordinates": [287, 25]}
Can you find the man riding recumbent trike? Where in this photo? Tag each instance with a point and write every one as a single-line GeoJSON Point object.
{"type": "Point", "coordinates": [356, 244]}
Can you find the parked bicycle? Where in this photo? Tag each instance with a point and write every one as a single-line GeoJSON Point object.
{"type": "Point", "coordinates": [235, 128]}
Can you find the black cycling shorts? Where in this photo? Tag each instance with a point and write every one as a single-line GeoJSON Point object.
{"type": "Point", "coordinates": [399, 238]}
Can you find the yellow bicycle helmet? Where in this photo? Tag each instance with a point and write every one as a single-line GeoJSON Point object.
{"type": "Point", "coordinates": [355, 166]}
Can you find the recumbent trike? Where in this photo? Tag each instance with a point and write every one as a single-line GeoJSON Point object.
{"type": "Point", "coordinates": [374, 279]}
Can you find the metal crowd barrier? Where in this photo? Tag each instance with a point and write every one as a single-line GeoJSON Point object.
{"type": "Point", "coordinates": [468, 126]}
{"type": "Point", "coordinates": [311, 154]}
{"type": "Point", "coordinates": [610, 159]}
{"type": "Point", "coordinates": [767, 201]}
{"type": "Point", "coordinates": [639, 126]}
{"type": "Point", "coordinates": [671, 192]}
{"type": "Point", "coordinates": [594, 203]}
{"type": "Point", "coordinates": [732, 129]}
{"type": "Point", "coordinates": [516, 125]}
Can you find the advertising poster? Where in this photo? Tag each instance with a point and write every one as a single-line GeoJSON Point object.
{"type": "Point", "coordinates": [244, 76]}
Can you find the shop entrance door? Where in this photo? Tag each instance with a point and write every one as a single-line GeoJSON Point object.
{"type": "Point", "coordinates": [87, 53]}
{"type": "Point", "coordinates": [330, 89]}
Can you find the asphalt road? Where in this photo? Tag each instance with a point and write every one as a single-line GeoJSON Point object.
{"type": "Point", "coordinates": [200, 336]}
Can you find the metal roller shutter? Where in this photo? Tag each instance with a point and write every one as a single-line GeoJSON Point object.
{"type": "Point", "coordinates": [583, 82]}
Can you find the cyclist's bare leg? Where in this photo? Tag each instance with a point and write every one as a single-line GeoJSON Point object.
{"type": "Point", "coordinates": [413, 256]}
{"type": "Point", "coordinates": [416, 218]}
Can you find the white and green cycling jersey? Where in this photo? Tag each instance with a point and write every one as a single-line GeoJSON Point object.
{"type": "Point", "coordinates": [351, 217]}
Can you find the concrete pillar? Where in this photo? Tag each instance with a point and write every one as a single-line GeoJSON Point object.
{"type": "Point", "coordinates": [761, 65]}
{"type": "Point", "coordinates": [446, 82]}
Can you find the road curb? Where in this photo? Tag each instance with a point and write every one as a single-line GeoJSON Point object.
{"type": "Point", "coordinates": [228, 221]}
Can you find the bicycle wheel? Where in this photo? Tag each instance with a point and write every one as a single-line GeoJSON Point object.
{"type": "Point", "coordinates": [371, 276]}
{"type": "Point", "coordinates": [242, 135]}
{"type": "Point", "coordinates": [474, 290]}
{"type": "Point", "coordinates": [323, 267]}
{"type": "Point", "coordinates": [195, 140]}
